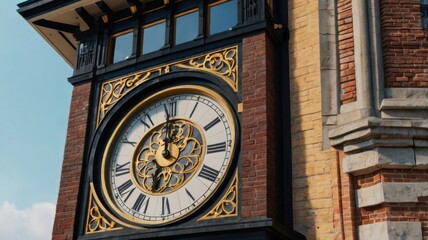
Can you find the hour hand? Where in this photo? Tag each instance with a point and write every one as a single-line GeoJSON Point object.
{"type": "Point", "coordinates": [165, 151]}
{"type": "Point", "coordinates": [155, 178]}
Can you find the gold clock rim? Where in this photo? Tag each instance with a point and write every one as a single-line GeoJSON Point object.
{"type": "Point", "coordinates": [182, 89]}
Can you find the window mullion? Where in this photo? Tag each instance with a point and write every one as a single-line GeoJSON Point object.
{"type": "Point", "coordinates": [135, 34]}
{"type": "Point", "coordinates": [168, 25]}
{"type": "Point", "coordinates": [139, 34]}
{"type": "Point", "coordinates": [201, 27]}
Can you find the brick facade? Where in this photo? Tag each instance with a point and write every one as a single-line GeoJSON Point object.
{"type": "Point", "coordinates": [344, 205]}
{"type": "Point", "coordinates": [346, 51]}
{"type": "Point", "coordinates": [401, 212]}
{"type": "Point", "coordinates": [405, 44]}
{"type": "Point", "coordinates": [72, 165]}
{"type": "Point", "coordinates": [316, 211]}
{"type": "Point", "coordinates": [335, 162]}
{"type": "Point", "coordinates": [258, 157]}
{"type": "Point", "coordinates": [327, 182]}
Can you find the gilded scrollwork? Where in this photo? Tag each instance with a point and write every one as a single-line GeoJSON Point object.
{"type": "Point", "coordinates": [96, 221]}
{"type": "Point", "coordinates": [228, 205]}
{"type": "Point", "coordinates": [156, 173]}
{"type": "Point", "coordinates": [221, 63]}
{"type": "Point", "coordinates": [113, 91]}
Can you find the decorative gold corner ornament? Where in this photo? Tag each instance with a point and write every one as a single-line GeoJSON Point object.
{"type": "Point", "coordinates": [221, 63]}
{"type": "Point", "coordinates": [95, 221]}
{"type": "Point", "coordinates": [98, 219]}
{"type": "Point", "coordinates": [228, 205]}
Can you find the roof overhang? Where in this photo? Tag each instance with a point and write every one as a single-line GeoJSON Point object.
{"type": "Point", "coordinates": [59, 21]}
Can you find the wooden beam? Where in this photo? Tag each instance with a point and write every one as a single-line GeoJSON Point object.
{"type": "Point", "coordinates": [87, 18]}
{"type": "Point", "coordinates": [67, 40]}
{"type": "Point", "coordinates": [108, 13]}
{"type": "Point", "coordinates": [135, 6]}
{"type": "Point", "coordinates": [62, 27]}
{"type": "Point", "coordinates": [104, 8]}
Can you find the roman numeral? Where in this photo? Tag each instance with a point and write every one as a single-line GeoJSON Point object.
{"type": "Point", "coordinates": [218, 147]}
{"type": "Point", "coordinates": [190, 195]}
{"type": "Point", "coordinates": [122, 188]}
{"type": "Point", "coordinates": [122, 169]}
{"type": "Point", "coordinates": [139, 203]}
{"type": "Point", "coordinates": [145, 123]}
{"type": "Point", "coordinates": [208, 173]}
{"type": "Point", "coordinates": [193, 111]}
{"type": "Point", "coordinates": [172, 109]}
{"type": "Point", "coordinates": [127, 141]}
{"type": "Point", "coordinates": [165, 206]}
{"type": "Point", "coordinates": [128, 194]}
{"type": "Point", "coordinates": [212, 124]}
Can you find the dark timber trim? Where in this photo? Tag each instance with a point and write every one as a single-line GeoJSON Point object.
{"type": "Point", "coordinates": [104, 8]}
{"type": "Point", "coordinates": [89, 20]}
{"type": "Point", "coordinates": [57, 26]}
{"type": "Point", "coordinates": [67, 40]}
{"type": "Point", "coordinates": [31, 9]}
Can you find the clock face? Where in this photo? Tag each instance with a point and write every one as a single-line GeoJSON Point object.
{"type": "Point", "coordinates": [168, 155]}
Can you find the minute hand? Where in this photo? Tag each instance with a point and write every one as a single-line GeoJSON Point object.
{"type": "Point", "coordinates": [165, 152]}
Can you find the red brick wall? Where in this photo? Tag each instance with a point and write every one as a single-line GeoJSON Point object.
{"type": "Point", "coordinates": [257, 155]}
{"type": "Point", "coordinates": [397, 212]}
{"type": "Point", "coordinates": [368, 180]}
{"type": "Point", "coordinates": [346, 51]}
{"type": "Point", "coordinates": [272, 126]}
{"type": "Point", "coordinates": [391, 175]}
{"type": "Point", "coordinates": [405, 44]}
{"type": "Point", "coordinates": [401, 212]}
{"type": "Point", "coordinates": [72, 165]}
{"type": "Point", "coordinates": [348, 210]}
{"type": "Point", "coordinates": [343, 201]}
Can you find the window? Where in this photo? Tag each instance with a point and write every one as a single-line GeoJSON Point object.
{"type": "Point", "coordinates": [186, 26]}
{"type": "Point", "coordinates": [424, 13]}
{"type": "Point", "coordinates": [121, 46]}
{"type": "Point", "coordinates": [223, 16]}
{"type": "Point", "coordinates": [141, 37]}
{"type": "Point", "coordinates": [153, 37]}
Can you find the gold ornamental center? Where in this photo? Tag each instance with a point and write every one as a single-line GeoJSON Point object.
{"type": "Point", "coordinates": [167, 161]}
{"type": "Point", "coordinates": [168, 156]}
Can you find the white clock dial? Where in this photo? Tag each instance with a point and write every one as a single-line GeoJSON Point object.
{"type": "Point", "coordinates": [169, 155]}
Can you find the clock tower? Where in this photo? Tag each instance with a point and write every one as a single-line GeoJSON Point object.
{"type": "Point", "coordinates": [178, 124]}
{"type": "Point", "coordinates": [242, 119]}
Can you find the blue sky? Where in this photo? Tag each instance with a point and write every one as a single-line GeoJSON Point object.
{"type": "Point", "coordinates": [34, 106]}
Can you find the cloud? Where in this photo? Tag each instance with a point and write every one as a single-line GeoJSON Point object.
{"type": "Point", "coordinates": [33, 223]}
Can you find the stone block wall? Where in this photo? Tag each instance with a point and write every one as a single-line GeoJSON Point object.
{"type": "Point", "coordinates": [316, 194]}
{"type": "Point", "coordinates": [394, 195]}
{"type": "Point", "coordinates": [374, 185]}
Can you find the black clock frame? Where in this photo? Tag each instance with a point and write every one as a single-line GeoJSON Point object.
{"type": "Point", "coordinates": [134, 97]}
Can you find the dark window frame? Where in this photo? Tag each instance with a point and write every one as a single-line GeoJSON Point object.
{"type": "Point", "coordinates": [168, 14]}
{"type": "Point", "coordinates": [112, 45]}
{"type": "Point", "coordinates": [181, 14]}
{"type": "Point", "coordinates": [424, 13]}
{"type": "Point", "coordinates": [141, 35]}
{"type": "Point", "coordinates": [208, 17]}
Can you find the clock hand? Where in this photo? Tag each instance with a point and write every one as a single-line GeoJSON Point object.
{"type": "Point", "coordinates": [165, 152]}
{"type": "Point", "coordinates": [155, 185]}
